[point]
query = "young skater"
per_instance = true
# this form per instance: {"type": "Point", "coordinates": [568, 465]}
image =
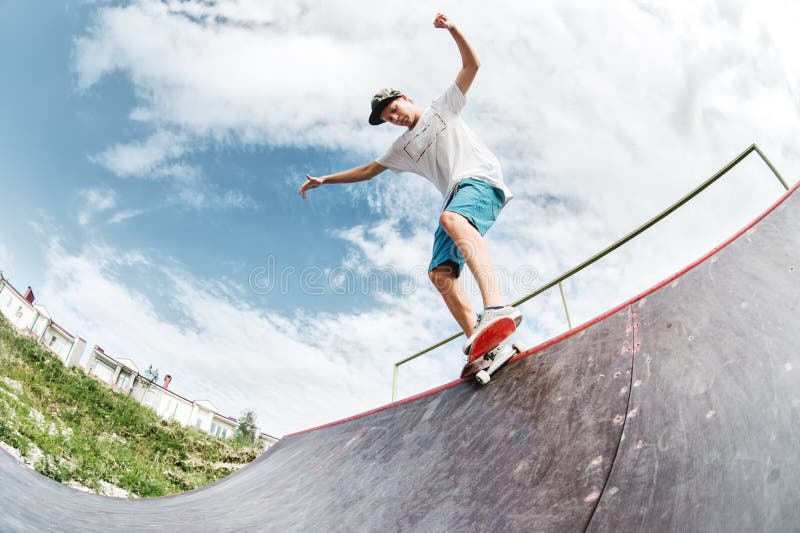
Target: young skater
{"type": "Point", "coordinates": [439, 146]}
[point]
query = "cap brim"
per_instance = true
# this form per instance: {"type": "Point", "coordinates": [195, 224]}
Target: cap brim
{"type": "Point", "coordinates": [375, 117]}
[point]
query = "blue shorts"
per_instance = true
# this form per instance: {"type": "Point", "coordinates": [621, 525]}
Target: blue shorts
{"type": "Point", "coordinates": [477, 201]}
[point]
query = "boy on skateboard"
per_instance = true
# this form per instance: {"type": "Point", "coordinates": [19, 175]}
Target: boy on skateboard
{"type": "Point", "coordinates": [439, 146]}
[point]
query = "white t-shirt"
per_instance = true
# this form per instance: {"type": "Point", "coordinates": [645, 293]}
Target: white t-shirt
{"type": "Point", "coordinates": [443, 149]}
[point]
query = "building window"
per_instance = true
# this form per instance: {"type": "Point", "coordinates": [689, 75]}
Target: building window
{"type": "Point", "coordinates": [122, 380]}
{"type": "Point", "coordinates": [103, 372]}
{"type": "Point", "coordinates": [199, 424]}
{"type": "Point", "coordinates": [218, 430]}
{"type": "Point", "coordinates": [52, 341]}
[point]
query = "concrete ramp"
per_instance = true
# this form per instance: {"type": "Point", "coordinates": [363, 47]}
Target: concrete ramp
{"type": "Point", "coordinates": [677, 411]}
{"type": "Point", "coordinates": [712, 437]}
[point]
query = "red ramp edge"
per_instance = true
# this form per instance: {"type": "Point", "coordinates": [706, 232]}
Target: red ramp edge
{"type": "Point", "coordinates": [571, 332]}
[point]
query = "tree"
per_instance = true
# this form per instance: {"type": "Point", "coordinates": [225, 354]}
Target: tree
{"type": "Point", "coordinates": [246, 433]}
{"type": "Point", "coordinates": [151, 373]}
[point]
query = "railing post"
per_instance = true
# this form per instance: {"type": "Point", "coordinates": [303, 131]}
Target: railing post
{"type": "Point", "coordinates": [394, 383]}
{"type": "Point", "coordinates": [564, 300]}
{"type": "Point", "coordinates": [771, 167]}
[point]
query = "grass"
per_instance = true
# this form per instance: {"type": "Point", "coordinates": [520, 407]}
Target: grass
{"type": "Point", "coordinates": [74, 429]}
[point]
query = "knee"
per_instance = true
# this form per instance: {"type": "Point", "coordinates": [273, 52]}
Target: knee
{"type": "Point", "coordinates": [441, 276]}
{"type": "Point", "coordinates": [449, 220]}
{"type": "Point", "coordinates": [436, 275]}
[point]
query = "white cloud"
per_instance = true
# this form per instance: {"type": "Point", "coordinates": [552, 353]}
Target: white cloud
{"type": "Point", "coordinates": [202, 197]}
{"type": "Point", "coordinates": [124, 215]}
{"type": "Point", "coordinates": [102, 200]}
{"type": "Point", "coordinates": [385, 247]}
{"type": "Point", "coordinates": [99, 199]}
{"type": "Point", "coordinates": [96, 200]}
{"type": "Point", "coordinates": [158, 158]}
{"type": "Point", "coordinates": [295, 81]}
{"type": "Point", "coordinates": [142, 158]}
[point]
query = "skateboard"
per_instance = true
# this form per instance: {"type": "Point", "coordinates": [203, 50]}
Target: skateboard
{"type": "Point", "coordinates": [478, 364]}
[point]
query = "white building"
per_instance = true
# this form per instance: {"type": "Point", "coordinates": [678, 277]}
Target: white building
{"type": "Point", "coordinates": [123, 375]}
{"type": "Point", "coordinates": [33, 319]}
{"type": "Point", "coordinates": [116, 373]}
{"type": "Point", "coordinates": [208, 419]}
{"type": "Point", "coordinates": [267, 440]}
{"type": "Point", "coordinates": [166, 403]}
{"type": "Point", "coordinates": [201, 414]}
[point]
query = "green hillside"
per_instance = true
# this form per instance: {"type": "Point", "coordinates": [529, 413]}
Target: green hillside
{"type": "Point", "coordinates": [71, 428]}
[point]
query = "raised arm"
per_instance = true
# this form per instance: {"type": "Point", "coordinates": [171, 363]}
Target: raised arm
{"type": "Point", "coordinates": [353, 175]}
{"type": "Point", "coordinates": [469, 60]}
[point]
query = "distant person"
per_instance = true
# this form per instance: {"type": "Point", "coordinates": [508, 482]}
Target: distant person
{"type": "Point", "coordinates": [439, 146]}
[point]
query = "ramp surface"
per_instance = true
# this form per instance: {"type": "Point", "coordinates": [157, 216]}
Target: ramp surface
{"type": "Point", "coordinates": [679, 410]}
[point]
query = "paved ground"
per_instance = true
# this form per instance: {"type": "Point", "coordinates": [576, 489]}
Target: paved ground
{"type": "Point", "coordinates": [678, 411]}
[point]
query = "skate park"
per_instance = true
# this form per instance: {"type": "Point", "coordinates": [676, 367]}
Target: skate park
{"type": "Point", "coordinates": [677, 410]}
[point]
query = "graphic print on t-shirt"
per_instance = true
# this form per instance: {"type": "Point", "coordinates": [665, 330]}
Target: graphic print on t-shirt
{"type": "Point", "coordinates": [416, 147]}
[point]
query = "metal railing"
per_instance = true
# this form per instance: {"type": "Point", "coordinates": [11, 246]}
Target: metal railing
{"type": "Point", "coordinates": [599, 255]}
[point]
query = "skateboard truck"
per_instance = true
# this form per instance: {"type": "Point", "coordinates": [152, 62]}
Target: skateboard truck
{"type": "Point", "coordinates": [483, 376]}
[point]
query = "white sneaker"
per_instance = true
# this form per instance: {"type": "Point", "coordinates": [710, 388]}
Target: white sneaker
{"type": "Point", "coordinates": [489, 316]}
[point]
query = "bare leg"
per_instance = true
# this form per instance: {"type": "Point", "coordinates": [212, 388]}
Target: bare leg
{"type": "Point", "coordinates": [473, 247]}
{"type": "Point", "coordinates": [444, 279]}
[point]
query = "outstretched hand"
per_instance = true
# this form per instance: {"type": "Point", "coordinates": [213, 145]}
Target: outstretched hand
{"type": "Point", "coordinates": [441, 21]}
{"type": "Point", "coordinates": [311, 183]}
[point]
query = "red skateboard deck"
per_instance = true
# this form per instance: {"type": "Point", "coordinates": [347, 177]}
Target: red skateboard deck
{"type": "Point", "coordinates": [489, 339]}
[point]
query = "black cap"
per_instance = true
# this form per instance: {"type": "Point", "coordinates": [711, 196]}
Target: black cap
{"type": "Point", "coordinates": [379, 102]}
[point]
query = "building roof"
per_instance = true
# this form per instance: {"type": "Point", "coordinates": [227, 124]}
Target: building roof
{"type": "Point", "coordinates": [42, 310]}
{"type": "Point", "coordinates": [127, 363]}
{"type": "Point", "coordinates": [206, 405]}
{"type": "Point", "coordinates": [62, 329]}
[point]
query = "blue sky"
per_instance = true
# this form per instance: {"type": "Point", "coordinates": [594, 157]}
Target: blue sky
{"type": "Point", "coordinates": [151, 155]}
{"type": "Point", "coordinates": [74, 126]}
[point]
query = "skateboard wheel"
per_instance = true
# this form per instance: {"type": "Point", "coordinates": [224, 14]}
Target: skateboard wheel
{"type": "Point", "coordinates": [518, 347]}
{"type": "Point", "coordinates": [483, 377]}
